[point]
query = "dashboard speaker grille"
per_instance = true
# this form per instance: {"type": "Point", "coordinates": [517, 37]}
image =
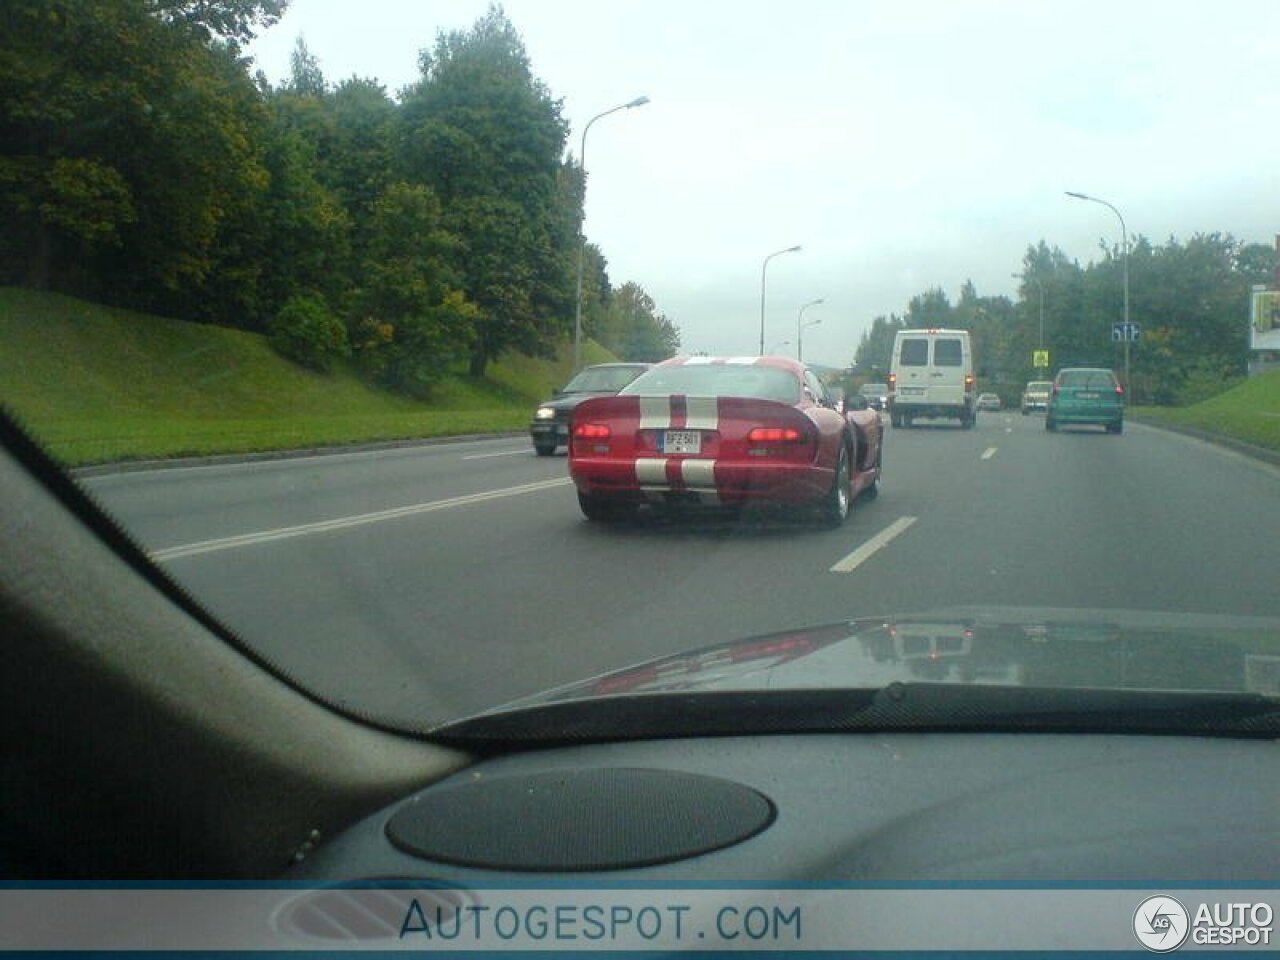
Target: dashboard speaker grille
{"type": "Point", "coordinates": [589, 820]}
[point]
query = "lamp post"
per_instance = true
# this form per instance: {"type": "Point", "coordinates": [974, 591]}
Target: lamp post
{"type": "Point", "coordinates": [779, 345]}
{"type": "Point", "coordinates": [582, 216]}
{"type": "Point", "coordinates": [1124, 234]}
{"type": "Point", "coordinates": [800, 327]}
{"type": "Point", "coordinates": [764, 268]}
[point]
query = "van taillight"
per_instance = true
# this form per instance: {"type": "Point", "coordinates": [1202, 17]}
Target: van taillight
{"type": "Point", "coordinates": [968, 380]}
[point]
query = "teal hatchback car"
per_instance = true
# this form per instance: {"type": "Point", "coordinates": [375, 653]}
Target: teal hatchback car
{"type": "Point", "coordinates": [1086, 395]}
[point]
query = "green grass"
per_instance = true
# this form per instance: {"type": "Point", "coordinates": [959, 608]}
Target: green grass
{"type": "Point", "coordinates": [1249, 411]}
{"type": "Point", "coordinates": [99, 384]}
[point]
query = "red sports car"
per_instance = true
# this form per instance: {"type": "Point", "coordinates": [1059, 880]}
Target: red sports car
{"type": "Point", "coordinates": [724, 431]}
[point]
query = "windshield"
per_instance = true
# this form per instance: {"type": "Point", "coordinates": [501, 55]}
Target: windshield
{"type": "Point", "coordinates": [602, 379]}
{"type": "Point", "coordinates": [287, 287]}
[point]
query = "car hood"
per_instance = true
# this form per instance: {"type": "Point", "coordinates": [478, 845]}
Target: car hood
{"type": "Point", "coordinates": [969, 646]}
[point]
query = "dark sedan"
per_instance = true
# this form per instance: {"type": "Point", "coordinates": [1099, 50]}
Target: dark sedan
{"type": "Point", "coordinates": [550, 426]}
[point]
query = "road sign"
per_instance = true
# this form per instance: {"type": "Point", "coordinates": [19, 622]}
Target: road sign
{"type": "Point", "coordinates": [1039, 358]}
{"type": "Point", "coordinates": [1125, 332]}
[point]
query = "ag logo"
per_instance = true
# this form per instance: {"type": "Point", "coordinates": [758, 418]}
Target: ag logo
{"type": "Point", "coordinates": [1161, 924]}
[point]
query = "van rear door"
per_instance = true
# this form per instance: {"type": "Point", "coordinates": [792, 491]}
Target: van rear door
{"type": "Point", "coordinates": [946, 374]}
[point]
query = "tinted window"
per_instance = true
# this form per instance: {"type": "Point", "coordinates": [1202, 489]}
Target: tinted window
{"type": "Point", "coordinates": [915, 353]}
{"type": "Point", "coordinates": [602, 379]}
{"type": "Point", "coordinates": [718, 380]}
{"type": "Point", "coordinates": [947, 352]}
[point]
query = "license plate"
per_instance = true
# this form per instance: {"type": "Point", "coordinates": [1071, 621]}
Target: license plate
{"type": "Point", "coordinates": [1086, 396]}
{"type": "Point", "coordinates": [912, 391]}
{"type": "Point", "coordinates": [681, 441]}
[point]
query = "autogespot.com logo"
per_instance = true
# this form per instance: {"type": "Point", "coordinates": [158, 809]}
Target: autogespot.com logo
{"type": "Point", "coordinates": [1161, 923]}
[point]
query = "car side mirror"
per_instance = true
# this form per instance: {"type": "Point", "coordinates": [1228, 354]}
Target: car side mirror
{"type": "Point", "coordinates": [557, 393]}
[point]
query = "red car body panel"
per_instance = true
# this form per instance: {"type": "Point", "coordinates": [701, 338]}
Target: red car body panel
{"type": "Point", "coordinates": [792, 461]}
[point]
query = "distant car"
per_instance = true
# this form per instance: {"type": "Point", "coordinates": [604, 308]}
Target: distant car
{"type": "Point", "coordinates": [988, 401]}
{"type": "Point", "coordinates": [1036, 396]}
{"type": "Point", "coordinates": [1086, 395]}
{"type": "Point", "coordinates": [550, 426]}
{"type": "Point", "coordinates": [724, 432]}
{"type": "Point", "coordinates": [877, 395]}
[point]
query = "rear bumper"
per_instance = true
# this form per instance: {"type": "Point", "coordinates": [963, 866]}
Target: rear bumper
{"type": "Point", "coordinates": [549, 431]}
{"type": "Point", "coordinates": [1087, 415]}
{"type": "Point", "coordinates": [708, 482]}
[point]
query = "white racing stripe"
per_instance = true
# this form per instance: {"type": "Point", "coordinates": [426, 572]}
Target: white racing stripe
{"type": "Point", "coordinates": [651, 471]}
{"type": "Point", "coordinates": [655, 413]}
{"type": "Point", "coordinates": [344, 523]}
{"type": "Point", "coordinates": [698, 474]}
{"type": "Point", "coordinates": [702, 413]}
{"type": "Point", "coordinates": [873, 546]}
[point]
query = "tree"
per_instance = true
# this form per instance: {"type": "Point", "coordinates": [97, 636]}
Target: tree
{"type": "Point", "coordinates": [634, 329]}
{"type": "Point", "coordinates": [413, 322]}
{"type": "Point", "coordinates": [876, 346]}
{"type": "Point", "coordinates": [487, 138]}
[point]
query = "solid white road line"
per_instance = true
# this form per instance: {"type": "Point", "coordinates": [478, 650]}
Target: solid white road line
{"type": "Point", "coordinates": [503, 453]}
{"type": "Point", "coordinates": [988, 453]}
{"type": "Point", "coordinates": [874, 545]}
{"type": "Point", "coordinates": [343, 523]}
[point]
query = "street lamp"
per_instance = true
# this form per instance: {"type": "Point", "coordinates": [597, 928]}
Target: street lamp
{"type": "Point", "coordinates": [779, 345]}
{"type": "Point", "coordinates": [1039, 283]}
{"type": "Point", "coordinates": [582, 216]}
{"type": "Point", "coordinates": [1124, 234]}
{"type": "Point", "coordinates": [800, 327]}
{"type": "Point", "coordinates": [763, 270]}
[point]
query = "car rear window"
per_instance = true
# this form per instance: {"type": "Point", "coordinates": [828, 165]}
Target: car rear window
{"type": "Point", "coordinates": [602, 379]}
{"type": "Point", "coordinates": [718, 380]}
{"type": "Point", "coordinates": [914, 353]}
{"type": "Point", "coordinates": [1087, 379]}
{"type": "Point", "coordinates": [947, 352]}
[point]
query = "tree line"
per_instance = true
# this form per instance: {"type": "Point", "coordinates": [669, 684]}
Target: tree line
{"type": "Point", "coordinates": [142, 165]}
{"type": "Point", "coordinates": [1190, 299]}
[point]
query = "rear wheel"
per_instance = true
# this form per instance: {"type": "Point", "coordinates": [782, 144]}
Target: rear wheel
{"type": "Point", "coordinates": [1117, 427]}
{"type": "Point", "coordinates": [968, 419]}
{"type": "Point", "coordinates": [602, 510]}
{"type": "Point", "coordinates": [835, 505]}
{"type": "Point", "coordinates": [1051, 424]}
{"type": "Point", "coordinates": [544, 449]}
{"type": "Point", "coordinates": [895, 419]}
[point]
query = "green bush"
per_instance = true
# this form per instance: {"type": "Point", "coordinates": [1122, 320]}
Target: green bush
{"type": "Point", "coordinates": [305, 332]}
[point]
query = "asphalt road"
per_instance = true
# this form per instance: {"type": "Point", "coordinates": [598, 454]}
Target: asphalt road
{"type": "Point", "coordinates": [423, 583]}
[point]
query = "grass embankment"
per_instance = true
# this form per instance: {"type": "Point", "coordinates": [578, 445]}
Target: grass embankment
{"type": "Point", "coordinates": [1249, 411]}
{"type": "Point", "coordinates": [97, 384]}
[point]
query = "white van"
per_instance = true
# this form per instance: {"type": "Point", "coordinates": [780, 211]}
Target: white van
{"type": "Point", "coordinates": [931, 375]}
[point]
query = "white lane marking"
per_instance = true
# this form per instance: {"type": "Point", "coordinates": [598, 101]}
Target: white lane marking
{"type": "Point", "coordinates": [698, 474]}
{"type": "Point", "coordinates": [651, 470]}
{"type": "Point", "coordinates": [872, 546]}
{"type": "Point", "coordinates": [655, 413]}
{"type": "Point", "coordinates": [988, 453]}
{"type": "Point", "coordinates": [343, 523]}
{"type": "Point", "coordinates": [702, 413]}
{"type": "Point", "coordinates": [486, 456]}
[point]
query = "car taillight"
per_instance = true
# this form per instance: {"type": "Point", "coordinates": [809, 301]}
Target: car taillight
{"type": "Point", "coordinates": [1119, 390]}
{"type": "Point", "coordinates": [1054, 390]}
{"type": "Point", "coordinates": [591, 431]}
{"type": "Point", "coordinates": [774, 435]}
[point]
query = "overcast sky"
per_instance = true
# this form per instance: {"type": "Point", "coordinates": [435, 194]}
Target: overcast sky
{"type": "Point", "coordinates": [903, 144]}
